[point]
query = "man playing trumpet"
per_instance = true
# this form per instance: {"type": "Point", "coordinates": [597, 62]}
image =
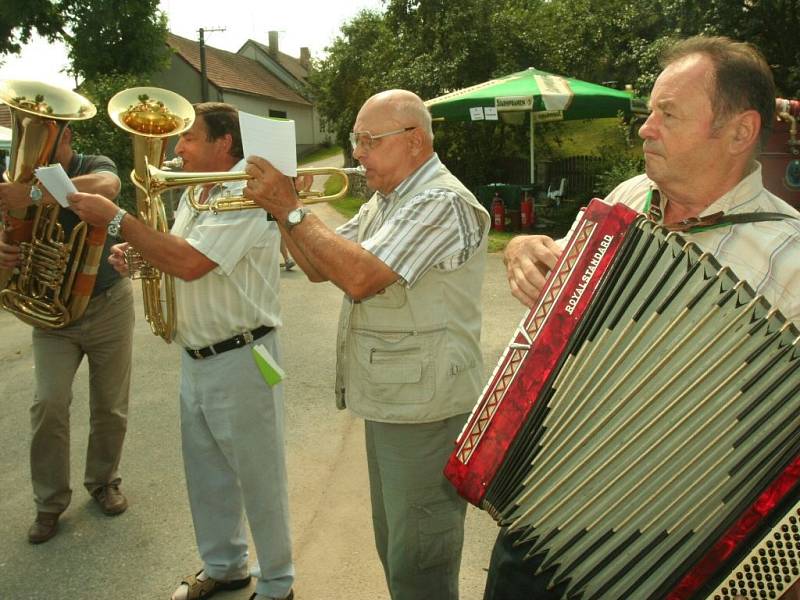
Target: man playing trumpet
{"type": "Point", "coordinates": [411, 265]}
{"type": "Point", "coordinates": [227, 276]}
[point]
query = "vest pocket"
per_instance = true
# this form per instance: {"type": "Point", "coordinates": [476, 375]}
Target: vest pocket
{"type": "Point", "coordinates": [396, 367]}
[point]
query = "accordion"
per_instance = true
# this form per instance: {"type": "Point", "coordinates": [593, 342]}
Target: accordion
{"type": "Point", "coordinates": [641, 432]}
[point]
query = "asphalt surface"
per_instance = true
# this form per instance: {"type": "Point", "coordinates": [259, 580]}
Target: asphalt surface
{"type": "Point", "coordinates": [144, 553]}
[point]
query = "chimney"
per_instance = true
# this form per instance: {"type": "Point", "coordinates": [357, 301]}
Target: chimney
{"type": "Point", "coordinates": [273, 43]}
{"type": "Point", "coordinates": [305, 58]}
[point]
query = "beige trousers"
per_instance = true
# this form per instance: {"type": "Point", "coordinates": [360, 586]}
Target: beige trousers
{"type": "Point", "coordinates": [104, 334]}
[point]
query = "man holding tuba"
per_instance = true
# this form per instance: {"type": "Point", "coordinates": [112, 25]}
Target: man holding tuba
{"type": "Point", "coordinates": [227, 277]}
{"type": "Point", "coordinates": [104, 333]}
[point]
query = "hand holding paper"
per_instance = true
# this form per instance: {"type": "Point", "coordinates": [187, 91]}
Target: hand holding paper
{"type": "Point", "coordinates": [271, 139]}
{"type": "Point", "coordinates": [55, 179]}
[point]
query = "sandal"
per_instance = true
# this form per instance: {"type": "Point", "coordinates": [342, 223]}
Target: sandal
{"type": "Point", "coordinates": [198, 589]}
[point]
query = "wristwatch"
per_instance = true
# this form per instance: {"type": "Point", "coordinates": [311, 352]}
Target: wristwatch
{"type": "Point", "coordinates": [295, 217]}
{"type": "Point", "coordinates": [116, 223]}
{"type": "Point", "coordinates": [35, 195]}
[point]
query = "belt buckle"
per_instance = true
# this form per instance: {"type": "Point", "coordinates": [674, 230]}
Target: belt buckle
{"type": "Point", "coordinates": [248, 337]}
{"type": "Point", "coordinates": [196, 354]}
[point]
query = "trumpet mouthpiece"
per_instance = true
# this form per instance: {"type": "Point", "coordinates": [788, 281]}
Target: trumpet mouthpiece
{"type": "Point", "coordinates": [174, 163]}
{"type": "Point", "coordinates": [359, 170]}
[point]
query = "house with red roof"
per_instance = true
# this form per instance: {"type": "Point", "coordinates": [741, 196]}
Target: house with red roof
{"type": "Point", "coordinates": [258, 79]}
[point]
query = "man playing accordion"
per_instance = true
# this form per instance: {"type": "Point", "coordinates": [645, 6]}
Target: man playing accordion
{"type": "Point", "coordinates": [712, 109]}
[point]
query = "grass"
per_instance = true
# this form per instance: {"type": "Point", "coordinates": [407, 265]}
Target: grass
{"type": "Point", "coordinates": [320, 154]}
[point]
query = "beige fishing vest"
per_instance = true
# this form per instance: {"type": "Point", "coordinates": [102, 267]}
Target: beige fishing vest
{"type": "Point", "coordinates": [413, 355]}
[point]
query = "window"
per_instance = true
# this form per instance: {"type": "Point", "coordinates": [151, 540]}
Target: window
{"type": "Point", "coordinates": [277, 114]}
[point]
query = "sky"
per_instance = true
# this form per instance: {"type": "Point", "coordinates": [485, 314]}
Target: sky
{"type": "Point", "coordinates": [310, 23]}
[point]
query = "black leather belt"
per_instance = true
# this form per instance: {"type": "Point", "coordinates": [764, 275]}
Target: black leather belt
{"type": "Point", "coordinates": [236, 341]}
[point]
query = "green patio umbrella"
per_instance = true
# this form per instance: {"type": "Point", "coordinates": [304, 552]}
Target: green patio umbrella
{"type": "Point", "coordinates": [544, 96]}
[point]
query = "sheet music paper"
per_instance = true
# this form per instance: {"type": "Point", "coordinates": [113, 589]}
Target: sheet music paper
{"type": "Point", "coordinates": [55, 179]}
{"type": "Point", "coordinates": [272, 139]}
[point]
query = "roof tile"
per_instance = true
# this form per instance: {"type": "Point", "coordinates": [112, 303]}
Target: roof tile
{"type": "Point", "coordinates": [234, 72]}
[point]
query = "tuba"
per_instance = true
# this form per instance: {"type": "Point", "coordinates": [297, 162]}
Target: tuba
{"type": "Point", "coordinates": [54, 282]}
{"type": "Point", "coordinates": [151, 115]}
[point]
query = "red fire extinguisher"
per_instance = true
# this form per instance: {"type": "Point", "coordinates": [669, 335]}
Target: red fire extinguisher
{"type": "Point", "coordinates": [498, 213]}
{"type": "Point", "coordinates": [527, 215]}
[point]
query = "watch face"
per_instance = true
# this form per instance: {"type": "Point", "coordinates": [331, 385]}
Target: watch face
{"type": "Point", "coordinates": [295, 216]}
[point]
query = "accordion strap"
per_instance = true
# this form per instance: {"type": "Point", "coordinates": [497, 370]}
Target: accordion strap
{"type": "Point", "coordinates": [720, 219]}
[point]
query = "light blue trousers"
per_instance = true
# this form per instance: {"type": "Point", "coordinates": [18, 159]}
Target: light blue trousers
{"type": "Point", "coordinates": [234, 456]}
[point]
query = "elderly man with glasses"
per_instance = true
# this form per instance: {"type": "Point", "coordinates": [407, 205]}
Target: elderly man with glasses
{"type": "Point", "coordinates": [411, 266]}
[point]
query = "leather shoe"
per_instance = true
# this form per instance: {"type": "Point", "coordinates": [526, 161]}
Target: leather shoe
{"type": "Point", "coordinates": [290, 596]}
{"type": "Point", "coordinates": [110, 499]}
{"type": "Point", "coordinates": [44, 527]}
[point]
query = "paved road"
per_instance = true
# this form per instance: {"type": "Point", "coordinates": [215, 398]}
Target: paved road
{"type": "Point", "coordinates": [143, 553]}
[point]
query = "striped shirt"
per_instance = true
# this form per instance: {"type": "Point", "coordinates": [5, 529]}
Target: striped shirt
{"type": "Point", "coordinates": [433, 229]}
{"type": "Point", "coordinates": [241, 292]}
{"type": "Point", "coordinates": [765, 254]}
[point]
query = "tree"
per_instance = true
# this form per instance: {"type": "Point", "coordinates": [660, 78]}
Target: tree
{"type": "Point", "coordinates": [352, 72]}
{"type": "Point", "coordinates": [19, 19]}
{"type": "Point", "coordinates": [111, 45]}
{"type": "Point", "coordinates": [126, 36]}
{"type": "Point", "coordinates": [433, 46]}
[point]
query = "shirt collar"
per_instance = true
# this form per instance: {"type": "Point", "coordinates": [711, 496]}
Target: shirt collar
{"type": "Point", "coordinates": [425, 172]}
{"type": "Point", "coordinates": [744, 191]}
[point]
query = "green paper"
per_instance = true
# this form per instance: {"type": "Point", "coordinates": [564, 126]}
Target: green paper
{"type": "Point", "coordinates": [270, 370]}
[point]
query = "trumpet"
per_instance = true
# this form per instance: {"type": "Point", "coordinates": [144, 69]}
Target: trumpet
{"type": "Point", "coordinates": [157, 181]}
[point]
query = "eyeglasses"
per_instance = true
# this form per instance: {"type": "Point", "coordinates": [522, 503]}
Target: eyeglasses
{"type": "Point", "coordinates": [367, 141]}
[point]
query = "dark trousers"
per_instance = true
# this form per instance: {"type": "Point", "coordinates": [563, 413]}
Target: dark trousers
{"type": "Point", "coordinates": [512, 576]}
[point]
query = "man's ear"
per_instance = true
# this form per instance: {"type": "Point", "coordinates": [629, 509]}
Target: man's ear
{"type": "Point", "coordinates": [415, 140]}
{"type": "Point", "coordinates": [746, 127]}
{"type": "Point", "coordinates": [226, 143]}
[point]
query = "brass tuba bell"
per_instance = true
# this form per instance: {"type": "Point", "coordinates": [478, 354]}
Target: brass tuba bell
{"type": "Point", "coordinates": [151, 115]}
{"type": "Point", "coordinates": [54, 281]}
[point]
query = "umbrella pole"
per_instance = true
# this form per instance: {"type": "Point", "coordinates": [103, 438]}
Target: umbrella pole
{"type": "Point", "coordinates": [533, 163]}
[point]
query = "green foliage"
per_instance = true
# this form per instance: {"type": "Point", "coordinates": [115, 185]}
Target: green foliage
{"type": "Point", "coordinates": [19, 19]}
{"type": "Point", "coordinates": [432, 47]}
{"type": "Point", "coordinates": [111, 46]}
{"type": "Point", "coordinates": [102, 37]}
{"type": "Point", "coordinates": [100, 136]}
{"type": "Point", "coordinates": [622, 156]}
{"type": "Point", "coordinates": [352, 72]}
{"type": "Point", "coordinates": [125, 36]}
